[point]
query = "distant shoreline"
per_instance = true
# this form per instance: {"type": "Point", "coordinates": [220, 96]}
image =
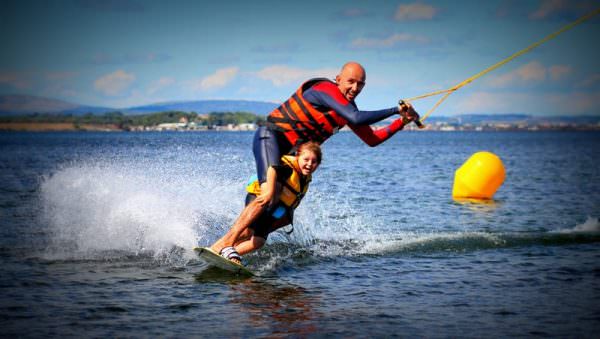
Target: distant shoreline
{"type": "Point", "coordinates": [56, 127]}
{"type": "Point", "coordinates": [76, 127]}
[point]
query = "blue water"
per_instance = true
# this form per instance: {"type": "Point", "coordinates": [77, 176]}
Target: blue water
{"type": "Point", "coordinates": [97, 230]}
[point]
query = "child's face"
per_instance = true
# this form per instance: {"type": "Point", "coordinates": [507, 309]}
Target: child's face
{"type": "Point", "coordinates": [307, 161]}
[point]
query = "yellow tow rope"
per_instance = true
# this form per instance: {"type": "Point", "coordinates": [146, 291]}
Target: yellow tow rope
{"type": "Point", "coordinates": [497, 65]}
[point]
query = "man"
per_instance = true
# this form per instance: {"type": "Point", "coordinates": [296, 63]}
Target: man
{"type": "Point", "coordinates": [317, 110]}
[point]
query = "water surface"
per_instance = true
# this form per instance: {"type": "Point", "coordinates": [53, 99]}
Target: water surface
{"type": "Point", "coordinates": [97, 231]}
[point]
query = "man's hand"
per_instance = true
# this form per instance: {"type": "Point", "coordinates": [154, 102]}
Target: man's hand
{"type": "Point", "coordinates": [408, 113]}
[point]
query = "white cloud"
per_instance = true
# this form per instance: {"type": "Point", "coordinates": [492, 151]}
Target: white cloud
{"type": "Point", "coordinates": [387, 42]}
{"type": "Point", "coordinates": [575, 102]}
{"type": "Point", "coordinates": [281, 75]}
{"type": "Point", "coordinates": [584, 102]}
{"type": "Point", "coordinates": [415, 11]}
{"type": "Point", "coordinates": [561, 9]}
{"type": "Point", "coordinates": [129, 58]}
{"type": "Point", "coordinates": [531, 103]}
{"type": "Point", "coordinates": [14, 80]}
{"type": "Point", "coordinates": [60, 76]}
{"type": "Point", "coordinates": [60, 84]}
{"type": "Point", "coordinates": [114, 84]}
{"type": "Point", "coordinates": [531, 72]}
{"type": "Point", "coordinates": [590, 81]}
{"type": "Point", "coordinates": [558, 72]}
{"type": "Point", "coordinates": [217, 80]}
{"type": "Point", "coordinates": [59, 90]}
{"type": "Point", "coordinates": [160, 84]}
{"type": "Point", "coordinates": [486, 102]}
{"type": "Point", "coordinates": [548, 8]}
{"type": "Point", "coordinates": [354, 13]}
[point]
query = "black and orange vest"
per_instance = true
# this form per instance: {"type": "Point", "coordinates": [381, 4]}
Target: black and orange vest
{"type": "Point", "coordinates": [301, 122]}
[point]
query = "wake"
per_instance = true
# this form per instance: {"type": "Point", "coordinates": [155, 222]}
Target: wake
{"type": "Point", "coordinates": [114, 209]}
{"type": "Point", "coordinates": [93, 208]}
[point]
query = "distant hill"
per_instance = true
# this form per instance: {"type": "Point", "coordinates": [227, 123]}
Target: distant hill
{"type": "Point", "coordinates": [207, 106]}
{"type": "Point", "coordinates": [22, 104]}
{"type": "Point", "coordinates": [28, 104]}
{"type": "Point", "coordinates": [479, 119]}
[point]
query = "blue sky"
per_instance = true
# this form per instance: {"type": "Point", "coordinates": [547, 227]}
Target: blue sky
{"type": "Point", "coordinates": [121, 53]}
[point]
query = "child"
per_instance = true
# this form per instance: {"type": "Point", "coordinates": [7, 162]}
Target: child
{"type": "Point", "coordinates": [285, 186]}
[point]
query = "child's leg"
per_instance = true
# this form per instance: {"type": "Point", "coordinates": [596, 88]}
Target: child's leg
{"type": "Point", "coordinates": [245, 236]}
{"type": "Point", "coordinates": [250, 245]}
{"type": "Point", "coordinates": [248, 215]}
{"type": "Point", "coordinates": [252, 241]}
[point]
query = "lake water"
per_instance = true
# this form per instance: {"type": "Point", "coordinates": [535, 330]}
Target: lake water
{"type": "Point", "coordinates": [97, 231]}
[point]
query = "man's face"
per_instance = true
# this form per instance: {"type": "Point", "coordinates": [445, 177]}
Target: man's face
{"type": "Point", "coordinates": [351, 81]}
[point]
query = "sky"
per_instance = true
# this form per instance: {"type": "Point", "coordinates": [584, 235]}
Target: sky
{"type": "Point", "coordinates": [124, 53]}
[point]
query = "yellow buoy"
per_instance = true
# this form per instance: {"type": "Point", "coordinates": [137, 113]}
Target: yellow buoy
{"type": "Point", "coordinates": [479, 177]}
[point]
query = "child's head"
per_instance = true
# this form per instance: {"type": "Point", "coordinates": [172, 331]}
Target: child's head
{"type": "Point", "coordinates": [309, 157]}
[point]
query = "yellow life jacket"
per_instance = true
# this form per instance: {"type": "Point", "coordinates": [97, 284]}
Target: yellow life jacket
{"type": "Point", "coordinates": [292, 191]}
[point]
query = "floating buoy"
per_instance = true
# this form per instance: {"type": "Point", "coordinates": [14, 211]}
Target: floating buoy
{"type": "Point", "coordinates": [479, 177]}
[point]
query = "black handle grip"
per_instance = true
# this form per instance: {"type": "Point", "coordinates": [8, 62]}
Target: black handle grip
{"type": "Point", "coordinates": [417, 122]}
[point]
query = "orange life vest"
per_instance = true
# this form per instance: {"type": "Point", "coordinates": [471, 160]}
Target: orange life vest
{"type": "Point", "coordinates": [301, 122]}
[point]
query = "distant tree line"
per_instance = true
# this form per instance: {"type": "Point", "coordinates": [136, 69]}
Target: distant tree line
{"type": "Point", "coordinates": [122, 121]}
{"type": "Point", "coordinates": [236, 118]}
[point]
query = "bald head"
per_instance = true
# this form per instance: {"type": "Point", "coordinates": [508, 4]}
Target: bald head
{"type": "Point", "coordinates": [353, 67]}
{"type": "Point", "coordinates": [351, 80]}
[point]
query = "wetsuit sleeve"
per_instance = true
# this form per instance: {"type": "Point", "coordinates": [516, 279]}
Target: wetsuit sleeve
{"type": "Point", "coordinates": [325, 96]}
{"type": "Point", "coordinates": [374, 137]}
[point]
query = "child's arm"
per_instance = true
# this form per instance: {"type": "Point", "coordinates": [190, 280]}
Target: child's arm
{"type": "Point", "coordinates": [267, 188]}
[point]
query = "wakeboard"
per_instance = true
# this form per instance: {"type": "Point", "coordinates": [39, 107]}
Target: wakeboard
{"type": "Point", "coordinates": [215, 260]}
